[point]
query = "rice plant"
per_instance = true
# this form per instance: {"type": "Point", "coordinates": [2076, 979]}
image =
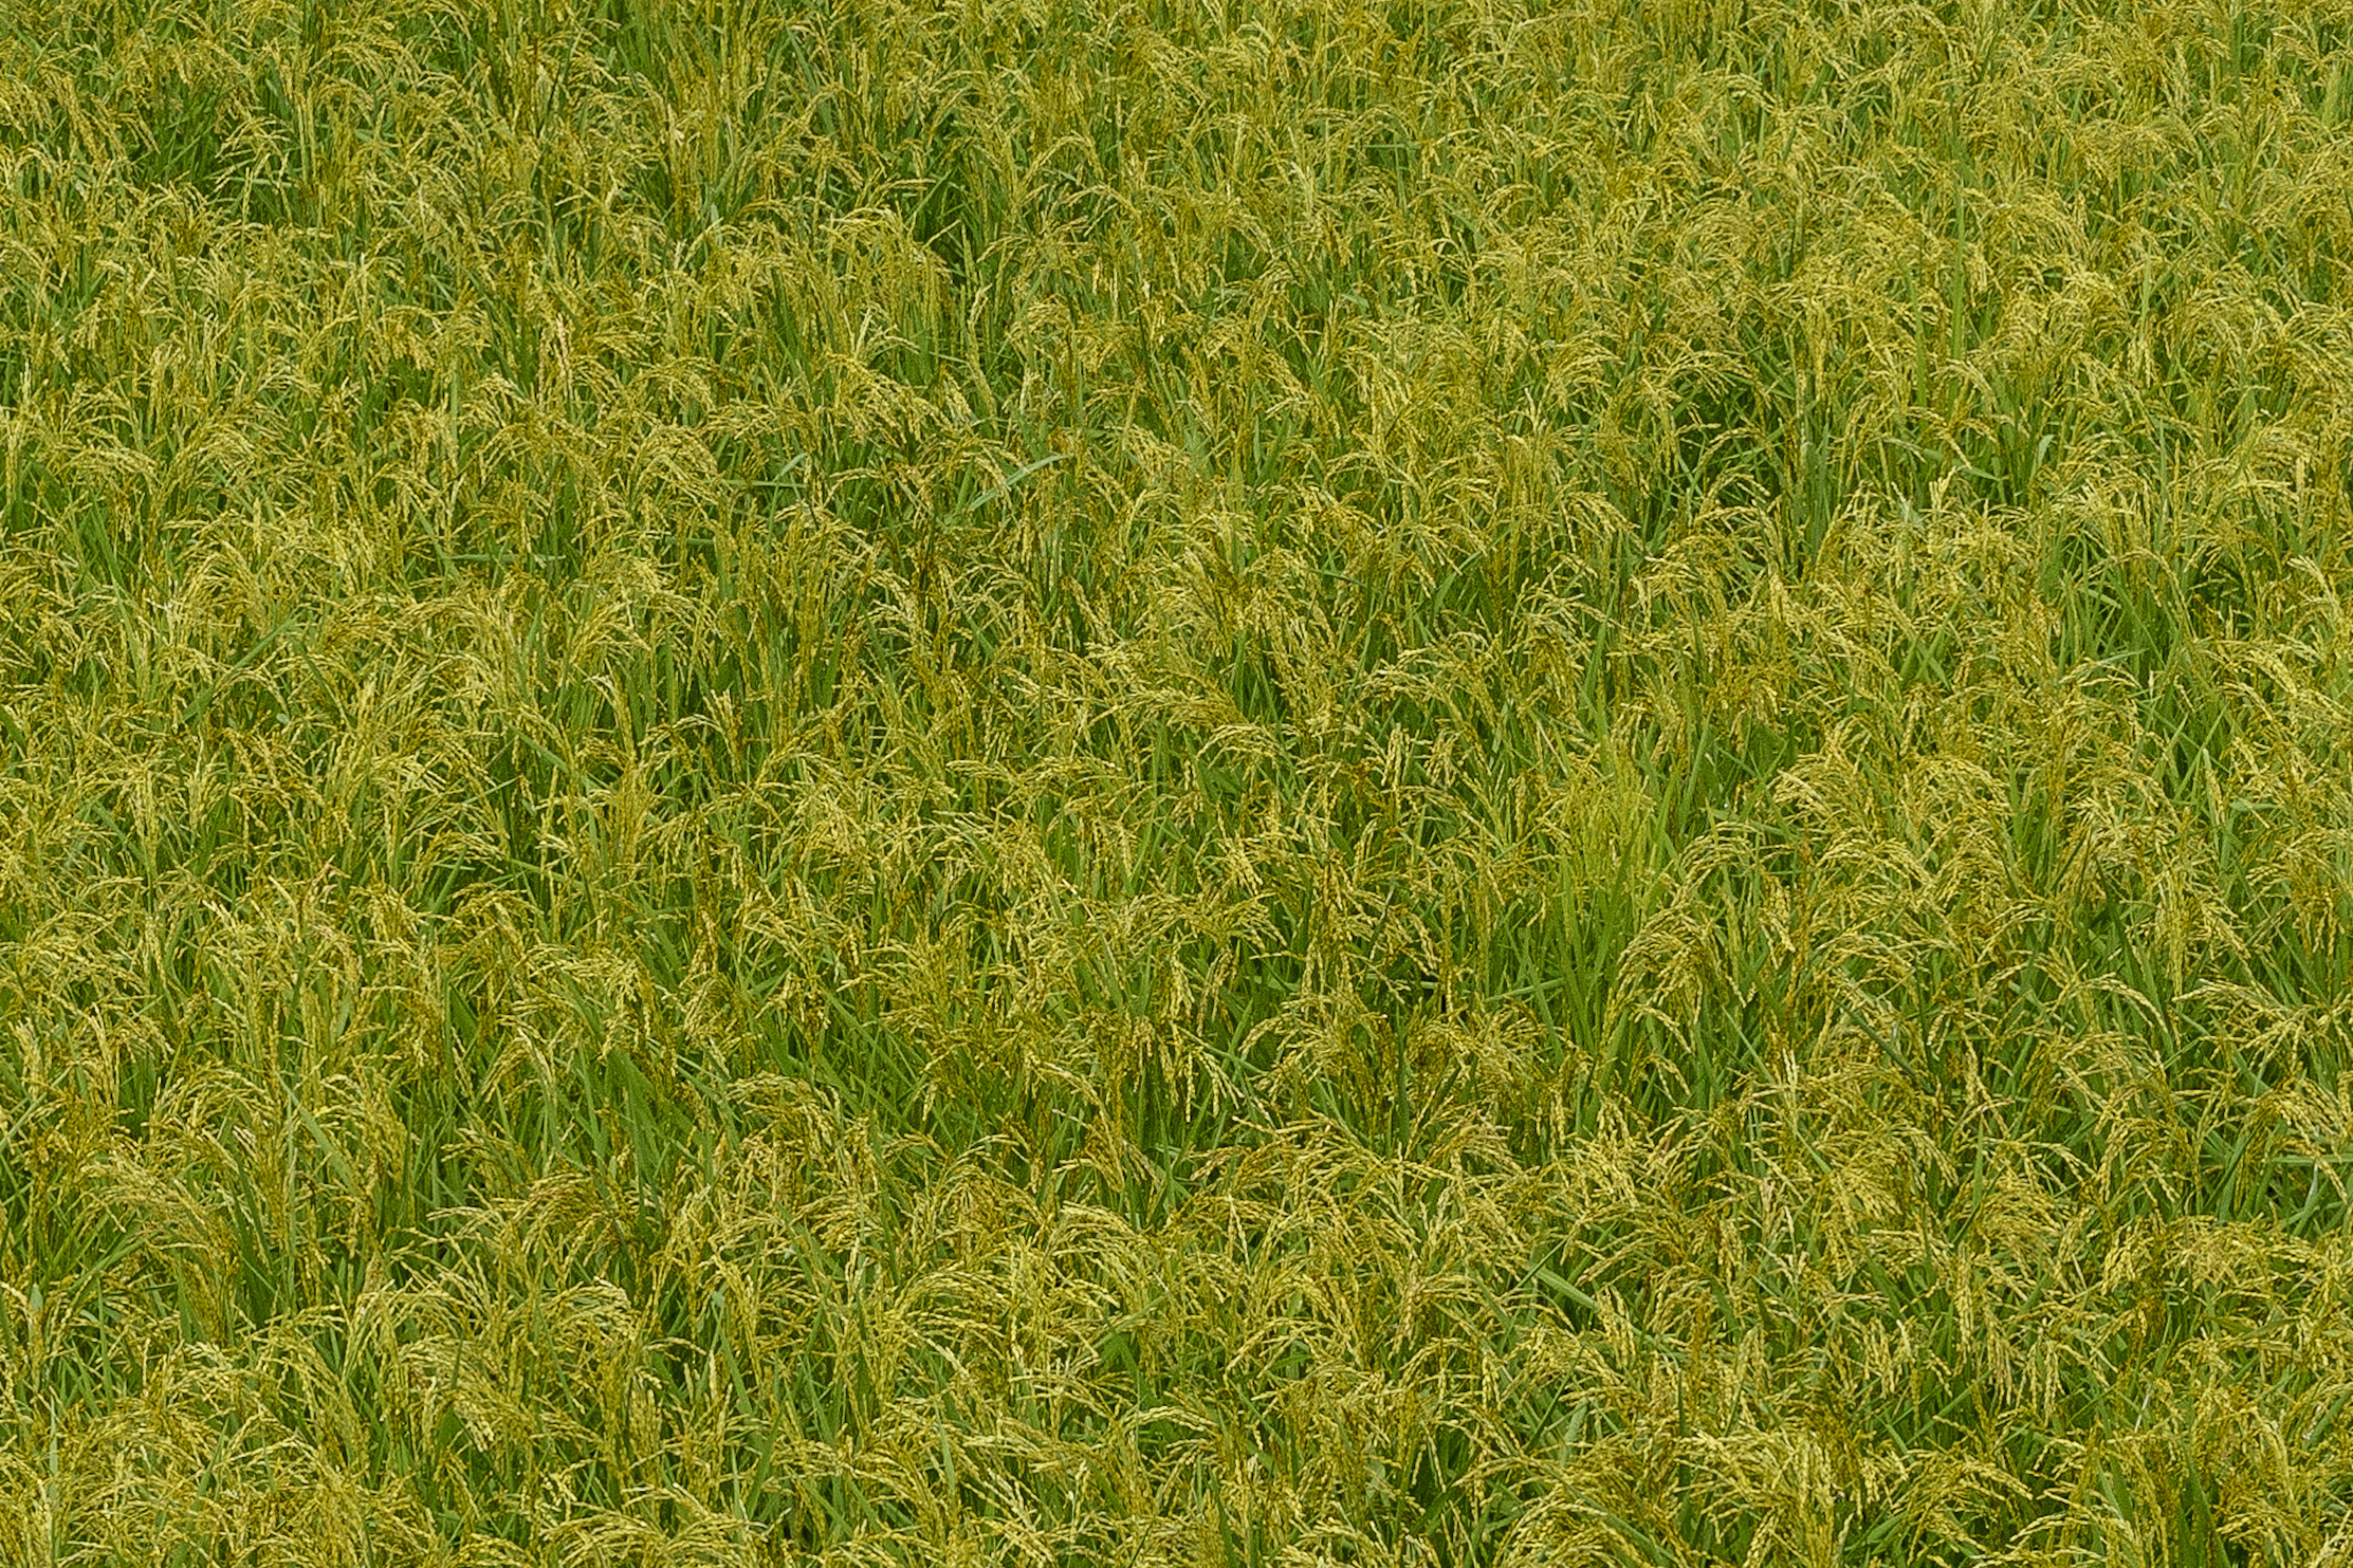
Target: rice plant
{"type": "Point", "coordinates": [1449, 782]}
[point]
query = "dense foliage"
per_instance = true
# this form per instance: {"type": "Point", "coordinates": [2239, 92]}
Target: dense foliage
{"type": "Point", "coordinates": [1128, 783]}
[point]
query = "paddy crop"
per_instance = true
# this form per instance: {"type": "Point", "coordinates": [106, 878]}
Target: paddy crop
{"type": "Point", "coordinates": [1145, 783]}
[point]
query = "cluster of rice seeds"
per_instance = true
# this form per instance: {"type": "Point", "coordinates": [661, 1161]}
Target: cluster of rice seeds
{"type": "Point", "coordinates": [1079, 782]}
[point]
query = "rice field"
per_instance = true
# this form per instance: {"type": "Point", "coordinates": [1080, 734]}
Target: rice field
{"type": "Point", "coordinates": [1169, 783]}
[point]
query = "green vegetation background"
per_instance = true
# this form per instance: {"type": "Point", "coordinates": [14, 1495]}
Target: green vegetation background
{"type": "Point", "coordinates": [1139, 784]}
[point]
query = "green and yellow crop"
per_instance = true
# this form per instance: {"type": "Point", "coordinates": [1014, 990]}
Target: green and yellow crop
{"type": "Point", "coordinates": [1151, 783]}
